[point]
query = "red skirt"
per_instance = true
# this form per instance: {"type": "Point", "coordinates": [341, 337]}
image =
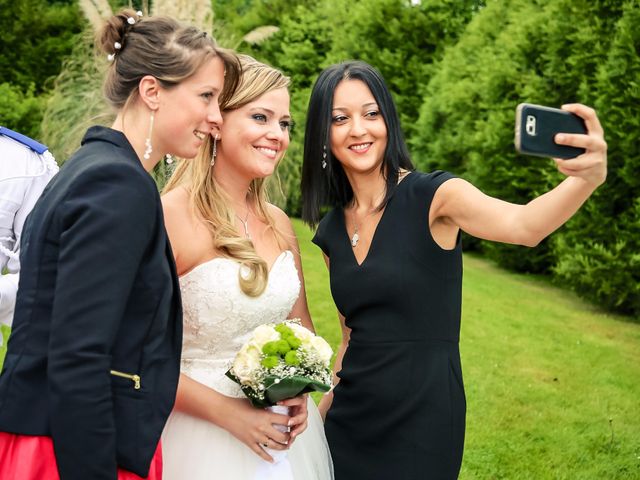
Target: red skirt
{"type": "Point", "coordinates": [26, 457]}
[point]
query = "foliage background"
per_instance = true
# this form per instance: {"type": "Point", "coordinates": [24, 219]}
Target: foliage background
{"type": "Point", "coordinates": [36, 37]}
{"type": "Point", "coordinates": [457, 69]}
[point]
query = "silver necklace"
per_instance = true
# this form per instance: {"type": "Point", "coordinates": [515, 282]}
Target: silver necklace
{"type": "Point", "coordinates": [245, 224]}
{"type": "Point", "coordinates": [355, 238]}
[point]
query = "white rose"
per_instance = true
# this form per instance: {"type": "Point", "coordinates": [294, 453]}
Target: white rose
{"type": "Point", "coordinates": [321, 346]}
{"type": "Point", "coordinates": [301, 332]}
{"type": "Point", "coordinates": [264, 334]}
{"type": "Point", "coordinates": [246, 363]}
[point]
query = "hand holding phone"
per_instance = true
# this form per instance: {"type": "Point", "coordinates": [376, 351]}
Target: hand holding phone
{"type": "Point", "coordinates": [537, 126]}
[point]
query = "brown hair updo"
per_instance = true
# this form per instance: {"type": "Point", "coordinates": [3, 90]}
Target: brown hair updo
{"type": "Point", "coordinates": [158, 46]}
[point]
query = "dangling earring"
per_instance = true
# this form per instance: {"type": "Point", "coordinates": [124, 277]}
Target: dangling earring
{"type": "Point", "coordinates": [168, 159]}
{"type": "Point", "coordinates": [215, 150]}
{"type": "Point", "coordinates": [147, 143]}
{"type": "Point", "coordinates": [324, 157]}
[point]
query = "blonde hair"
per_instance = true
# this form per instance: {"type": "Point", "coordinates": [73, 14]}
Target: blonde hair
{"type": "Point", "coordinates": [209, 201]}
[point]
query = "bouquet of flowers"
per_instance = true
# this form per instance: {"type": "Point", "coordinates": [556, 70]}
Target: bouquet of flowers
{"type": "Point", "coordinates": [282, 361]}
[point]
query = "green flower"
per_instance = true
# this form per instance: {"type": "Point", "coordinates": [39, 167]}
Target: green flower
{"type": "Point", "coordinates": [270, 348]}
{"type": "Point", "coordinates": [283, 330]}
{"type": "Point", "coordinates": [293, 341]}
{"type": "Point", "coordinates": [291, 358]}
{"type": "Point", "coordinates": [270, 362]}
{"type": "Point", "coordinates": [283, 347]}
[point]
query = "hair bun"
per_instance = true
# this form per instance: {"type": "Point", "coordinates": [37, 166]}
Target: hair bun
{"type": "Point", "coordinates": [111, 37]}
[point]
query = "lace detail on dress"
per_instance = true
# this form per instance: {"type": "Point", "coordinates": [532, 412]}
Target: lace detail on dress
{"type": "Point", "coordinates": [219, 317]}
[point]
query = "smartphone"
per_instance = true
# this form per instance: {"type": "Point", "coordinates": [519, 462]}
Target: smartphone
{"type": "Point", "coordinates": [536, 127]}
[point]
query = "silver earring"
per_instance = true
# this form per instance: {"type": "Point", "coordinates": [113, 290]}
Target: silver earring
{"type": "Point", "coordinates": [324, 157]}
{"type": "Point", "coordinates": [168, 159]}
{"type": "Point", "coordinates": [147, 143]}
{"type": "Point", "coordinates": [215, 150]}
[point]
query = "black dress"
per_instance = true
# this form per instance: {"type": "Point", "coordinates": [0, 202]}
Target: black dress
{"type": "Point", "coordinates": [399, 410]}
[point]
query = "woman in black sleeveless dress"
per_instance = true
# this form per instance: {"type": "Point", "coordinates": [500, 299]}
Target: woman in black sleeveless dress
{"type": "Point", "coordinates": [392, 244]}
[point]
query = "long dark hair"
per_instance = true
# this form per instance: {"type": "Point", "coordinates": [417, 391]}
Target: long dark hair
{"type": "Point", "coordinates": [329, 187]}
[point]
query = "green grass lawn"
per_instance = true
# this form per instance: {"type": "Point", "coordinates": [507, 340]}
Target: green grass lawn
{"type": "Point", "coordinates": [552, 383]}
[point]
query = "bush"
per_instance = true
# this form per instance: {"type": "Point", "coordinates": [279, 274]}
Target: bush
{"type": "Point", "coordinates": [401, 40]}
{"type": "Point", "coordinates": [21, 111]}
{"type": "Point", "coordinates": [599, 251]}
{"type": "Point", "coordinates": [36, 36]}
{"type": "Point", "coordinates": [549, 52]}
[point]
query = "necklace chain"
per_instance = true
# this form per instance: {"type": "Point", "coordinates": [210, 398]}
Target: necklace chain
{"type": "Point", "coordinates": [245, 224]}
{"type": "Point", "coordinates": [355, 238]}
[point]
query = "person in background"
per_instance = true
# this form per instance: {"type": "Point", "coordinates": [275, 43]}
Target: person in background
{"type": "Point", "coordinates": [93, 360]}
{"type": "Point", "coordinates": [26, 167]}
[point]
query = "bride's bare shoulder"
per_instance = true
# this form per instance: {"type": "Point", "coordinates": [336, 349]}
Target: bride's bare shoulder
{"type": "Point", "coordinates": [189, 238]}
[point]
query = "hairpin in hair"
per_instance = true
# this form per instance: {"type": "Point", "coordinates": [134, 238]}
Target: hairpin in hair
{"type": "Point", "coordinates": [112, 56]}
{"type": "Point", "coordinates": [117, 45]}
{"type": "Point", "coordinates": [131, 20]}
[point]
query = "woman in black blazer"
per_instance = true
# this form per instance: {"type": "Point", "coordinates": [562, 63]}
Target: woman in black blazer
{"type": "Point", "coordinates": [93, 361]}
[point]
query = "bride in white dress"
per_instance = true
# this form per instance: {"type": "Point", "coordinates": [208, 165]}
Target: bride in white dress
{"type": "Point", "coordinates": [239, 263]}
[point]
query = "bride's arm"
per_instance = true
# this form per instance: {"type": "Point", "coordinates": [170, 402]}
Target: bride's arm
{"type": "Point", "coordinates": [300, 308]}
{"type": "Point", "coordinates": [252, 426]}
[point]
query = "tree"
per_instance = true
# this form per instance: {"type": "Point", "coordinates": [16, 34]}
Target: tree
{"type": "Point", "coordinates": [549, 52]}
{"type": "Point", "coordinates": [401, 40]}
{"type": "Point", "coordinates": [36, 36]}
{"type": "Point", "coordinates": [599, 251]}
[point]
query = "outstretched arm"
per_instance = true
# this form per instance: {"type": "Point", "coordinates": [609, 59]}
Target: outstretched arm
{"type": "Point", "coordinates": [458, 204]}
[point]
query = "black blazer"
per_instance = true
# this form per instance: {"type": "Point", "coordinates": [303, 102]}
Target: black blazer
{"type": "Point", "coordinates": [98, 293]}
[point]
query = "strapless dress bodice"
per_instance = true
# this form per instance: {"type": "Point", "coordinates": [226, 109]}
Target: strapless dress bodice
{"type": "Point", "coordinates": [219, 318]}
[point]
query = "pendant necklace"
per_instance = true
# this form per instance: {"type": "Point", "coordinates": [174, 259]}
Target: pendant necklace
{"type": "Point", "coordinates": [355, 238]}
{"type": "Point", "coordinates": [245, 224]}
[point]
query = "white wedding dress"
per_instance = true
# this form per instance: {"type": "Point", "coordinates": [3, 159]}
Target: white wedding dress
{"type": "Point", "coordinates": [218, 319]}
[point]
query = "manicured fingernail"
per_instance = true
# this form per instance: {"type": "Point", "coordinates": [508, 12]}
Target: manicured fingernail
{"type": "Point", "coordinates": [560, 137]}
{"type": "Point", "coordinates": [289, 423]}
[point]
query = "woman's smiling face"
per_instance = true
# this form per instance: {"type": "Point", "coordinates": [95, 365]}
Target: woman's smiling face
{"type": "Point", "coordinates": [255, 137]}
{"type": "Point", "coordinates": [358, 131]}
